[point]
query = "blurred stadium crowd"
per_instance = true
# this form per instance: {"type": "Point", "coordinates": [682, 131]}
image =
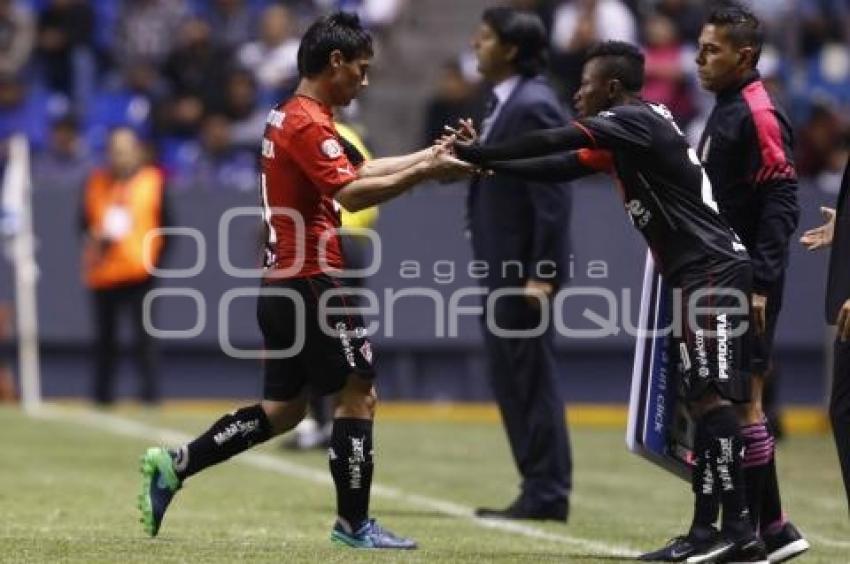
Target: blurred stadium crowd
{"type": "Point", "coordinates": [197, 77]}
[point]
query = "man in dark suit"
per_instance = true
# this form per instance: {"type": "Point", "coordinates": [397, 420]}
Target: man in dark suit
{"type": "Point", "coordinates": [836, 232]}
{"type": "Point", "coordinates": [519, 230]}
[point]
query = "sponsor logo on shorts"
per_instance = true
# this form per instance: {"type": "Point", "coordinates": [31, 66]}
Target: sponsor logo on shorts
{"type": "Point", "coordinates": [722, 347]}
{"type": "Point", "coordinates": [366, 351]}
{"type": "Point", "coordinates": [345, 341]}
{"type": "Point", "coordinates": [684, 357]}
{"type": "Point", "coordinates": [702, 355]}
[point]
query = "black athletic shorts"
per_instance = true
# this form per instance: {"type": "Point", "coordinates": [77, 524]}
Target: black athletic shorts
{"type": "Point", "coordinates": [711, 356]}
{"type": "Point", "coordinates": [322, 363]}
{"type": "Point", "coordinates": [762, 345]}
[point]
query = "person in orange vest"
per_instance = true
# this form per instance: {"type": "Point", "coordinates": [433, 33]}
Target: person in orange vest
{"type": "Point", "coordinates": [122, 203]}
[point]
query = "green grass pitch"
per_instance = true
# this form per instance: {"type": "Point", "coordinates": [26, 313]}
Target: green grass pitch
{"type": "Point", "coordinates": [68, 483]}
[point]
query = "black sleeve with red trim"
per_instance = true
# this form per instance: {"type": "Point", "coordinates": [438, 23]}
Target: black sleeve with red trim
{"type": "Point", "coordinates": [774, 178]}
{"type": "Point", "coordinates": [556, 168]}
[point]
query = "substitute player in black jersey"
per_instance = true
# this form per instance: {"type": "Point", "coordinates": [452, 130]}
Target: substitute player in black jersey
{"type": "Point", "coordinates": [669, 199]}
{"type": "Point", "coordinates": [746, 150]}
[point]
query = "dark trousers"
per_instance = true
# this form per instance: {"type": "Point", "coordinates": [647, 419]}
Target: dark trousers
{"type": "Point", "coordinates": [839, 409]}
{"type": "Point", "coordinates": [524, 381]}
{"type": "Point", "coordinates": [109, 306]}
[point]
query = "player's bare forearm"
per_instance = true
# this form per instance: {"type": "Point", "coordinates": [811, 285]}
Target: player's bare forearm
{"type": "Point", "coordinates": [392, 165]}
{"type": "Point", "coordinates": [370, 191]}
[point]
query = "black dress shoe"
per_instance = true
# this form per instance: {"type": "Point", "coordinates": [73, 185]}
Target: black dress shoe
{"type": "Point", "coordinates": [558, 511]}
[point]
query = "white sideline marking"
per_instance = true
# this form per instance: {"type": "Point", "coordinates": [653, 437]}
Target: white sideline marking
{"type": "Point", "coordinates": [131, 428]}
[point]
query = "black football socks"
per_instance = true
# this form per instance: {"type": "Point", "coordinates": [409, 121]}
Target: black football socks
{"type": "Point", "coordinates": [351, 464]}
{"type": "Point", "coordinates": [727, 454]}
{"type": "Point", "coordinates": [703, 482]}
{"type": "Point", "coordinates": [235, 432]}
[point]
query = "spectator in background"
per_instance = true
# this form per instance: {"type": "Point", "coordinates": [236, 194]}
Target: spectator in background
{"type": "Point", "coordinates": [17, 37]}
{"type": "Point", "coordinates": [131, 101]}
{"type": "Point", "coordinates": [822, 150]}
{"type": "Point", "coordinates": [232, 21]}
{"type": "Point", "coordinates": [273, 58]}
{"type": "Point", "coordinates": [545, 10]}
{"type": "Point", "coordinates": [23, 109]}
{"type": "Point", "coordinates": [667, 60]}
{"type": "Point", "coordinates": [197, 68]}
{"type": "Point", "coordinates": [215, 164]}
{"type": "Point", "coordinates": [241, 106]}
{"type": "Point", "coordinates": [65, 39]}
{"type": "Point", "coordinates": [456, 98]}
{"type": "Point", "coordinates": [686, 15]}
{"type": "Point", "coordinates": [65, 163]}
{"type": "Point", "coordinates": [147, 30]}
{"type": "Point", "coordinates": [826, 80]}
{"type": "Point", "coordinates": [821, 21]}
{"type": "Point", "coordinates": [122, 203]}
{"type": "Point", "coordinates": [580, 24]}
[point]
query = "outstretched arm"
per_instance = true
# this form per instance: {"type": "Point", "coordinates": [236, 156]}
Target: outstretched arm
{"type": "Point", "coordinates": [532, 144]}
{"type": "Point", "coordinates": [553, 168]}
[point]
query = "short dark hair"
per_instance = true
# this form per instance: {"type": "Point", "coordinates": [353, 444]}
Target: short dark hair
{"type": "Point", "coordinates": [525, 31]}
{"type": "Point", "coordinates": [742, 26]}
{"type": "Point", "coordinates": [623, 61]}
{"type": "Point", "coordinates": [339, 31]}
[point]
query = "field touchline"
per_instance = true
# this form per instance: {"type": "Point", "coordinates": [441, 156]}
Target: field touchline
{"type": "Point", "coordinates": [131, 428]}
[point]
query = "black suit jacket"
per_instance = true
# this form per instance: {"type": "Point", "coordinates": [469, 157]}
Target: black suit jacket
{"type": "Point", "coordinates": [838, 279]}
{"type": "Point", "coordinates": [515, 220]}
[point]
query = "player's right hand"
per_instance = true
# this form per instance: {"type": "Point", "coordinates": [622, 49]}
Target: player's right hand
{"type": "Point", "coordinates": [820, 237]}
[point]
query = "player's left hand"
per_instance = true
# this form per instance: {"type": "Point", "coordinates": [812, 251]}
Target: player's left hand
{"type": "Point", "coordinates": [759, 309]}
{"type": "Point", "coordinates": [842, 324]}
{"type": "Point", "coordinates": [536, 290]}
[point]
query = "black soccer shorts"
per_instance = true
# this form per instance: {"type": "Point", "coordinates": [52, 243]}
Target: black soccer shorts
{"type": "Point", "coordinates": [714, 338]}
{"type": "Point", "coordinates": [323, 362]}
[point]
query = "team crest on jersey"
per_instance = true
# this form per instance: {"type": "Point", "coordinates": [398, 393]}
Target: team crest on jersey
{"type": "Point", "coordinates": [331, 148]}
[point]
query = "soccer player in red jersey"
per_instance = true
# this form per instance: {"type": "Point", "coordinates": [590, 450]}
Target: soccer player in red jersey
{"type": "Point", "coordinates": [316, 342]}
